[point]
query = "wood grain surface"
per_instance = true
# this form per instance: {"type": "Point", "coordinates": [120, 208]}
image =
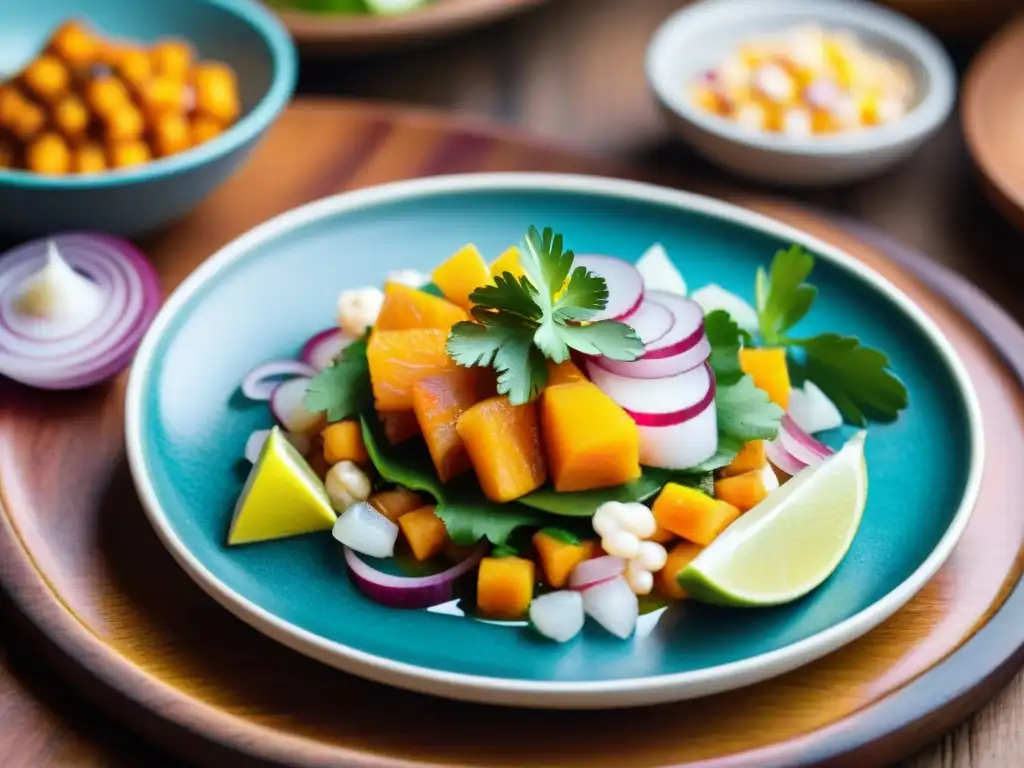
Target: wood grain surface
{"type": "Point", "coordinates": [993, 118]}
{"type": "Point", "coordinates": [113, 600]}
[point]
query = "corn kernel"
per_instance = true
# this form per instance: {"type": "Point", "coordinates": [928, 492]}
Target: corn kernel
{"type": "Point", "coordinates": [48, 154]}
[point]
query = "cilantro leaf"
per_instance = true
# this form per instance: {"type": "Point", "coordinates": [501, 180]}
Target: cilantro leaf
{"type": "Point", "coordinates": [783, 298]}
{"type": "Point", "coordinates": [856, 378]}
{"type": "Point", "coordinates": [522, 373]}
{"type": "Point", "coordinates": [503, 342]}
{"type": "Point", "coordinates": [546, 264]}
{"type": "Point", "coordinates": [744, 413]}
{"type": "Point", "coordinates": [605, 337]}
{"type": "Point", "coordinates": [508, 294]}
{"type": "Point", "coordinates": [585, 294]}
{"type": "Point", "coordinates": [504, 550]}
{"type": "Point", "coordinates": [469, 520]}
{"type": "Point", "coordinates": [725, 337]}
{"type": "Point", "coordinates": [342, 389]}
{"type": "Point", "coordinates": [562, 535]}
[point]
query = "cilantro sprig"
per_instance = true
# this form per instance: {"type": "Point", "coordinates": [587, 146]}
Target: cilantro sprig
{"type": "Point", "coordinates": [342, 389]}
{"type": "Point", "coordinates": [520, 323]}
{"type": "Point", "coordinates": [857, 378]}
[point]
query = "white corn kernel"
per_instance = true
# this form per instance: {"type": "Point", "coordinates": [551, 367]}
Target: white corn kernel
{"type": "Point", "coordinates": [652, 556]}
{"type": "Point", "coordinates": [640, 580]}
{"type": "Point", "coordinates": [358, 309]}
{"type": "Point", "coordinates": [346, 484]}
{"type": "Point", "coordinates": [638, 520]}
{"type": "Point", "coordinates": [621, 544]}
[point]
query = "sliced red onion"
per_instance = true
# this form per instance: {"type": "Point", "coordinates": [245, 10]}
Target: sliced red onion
{"type": "Point", "coordinates": [625, 285]}
{"type": "Point", "coordinates": [405, 592]}
{"type": "Point", "coordinates": [659, 273]}
{"type": "Point", "coordinates": [254, 445]}
{"type": "Point", "coordinates": [558, 615]}
{"type": "Point", "coordinates": [800, 445]}
{"type": "Point", "coordinates": [261, 381]}
{"type": "Point", "coordinates": [323, 348]}
{"type": "Point", "coordinates": [596, 571]}
{"type": "Point", "coordinates": [288, 407]}
{"type": "Point", "coordinates": [364, 529]}
{"type": "Point", "coordinates": [95, 341]}
{"type": "Point", "coordinates": [681, 416]}
{"type": "Point", "coordinates": [782, 458]}
{"type": "Point", "coordinates": [684, 347]}
{"type": "Point", "coordinates": [651, 322]}
{"type": "Point", "coordinates": [614, 606]}
{"type": "Point", "coordinates": [667, 395]}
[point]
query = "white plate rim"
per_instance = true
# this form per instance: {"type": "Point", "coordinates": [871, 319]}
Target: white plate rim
{"type": "Point", "coordinates": [626, 692]}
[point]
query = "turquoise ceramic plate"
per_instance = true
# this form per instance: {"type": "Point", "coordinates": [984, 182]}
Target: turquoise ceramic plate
{"type": "Point", "coordinates": [261, 296]}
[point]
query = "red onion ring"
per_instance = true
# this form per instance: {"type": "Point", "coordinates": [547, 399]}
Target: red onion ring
{"type": "Point", "coordinates": [37, 352]}
{"type": "Point", "coordinates": [782, 458]}
{"type": "Point", "coordinates": [596, 571]}
{"type": "Point", "coordinates": [261, 381]}
{"type": "Point", "coordinates": [323, 349]}
{"type": "Point", "coordinates": [677, 417]}
{"type": "Point", "coordinates": [406, 592]}
{"type": "Point", "coordinates": [801, 445]}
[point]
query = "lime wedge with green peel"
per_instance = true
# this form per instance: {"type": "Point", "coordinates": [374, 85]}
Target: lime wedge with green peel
{"type": "Point", "coordinates": [282, 497]}
{"type": "Point", "coordinates": [789, 543]}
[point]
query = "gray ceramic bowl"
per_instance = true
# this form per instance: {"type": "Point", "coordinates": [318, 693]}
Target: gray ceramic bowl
{"type": "Point", "coordinates": [137, 200]}
{"type": "Point", "coordinates": [699, 36]}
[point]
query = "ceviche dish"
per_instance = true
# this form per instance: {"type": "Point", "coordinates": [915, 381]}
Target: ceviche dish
{"type": "Point", "coordinates": [553, 437]}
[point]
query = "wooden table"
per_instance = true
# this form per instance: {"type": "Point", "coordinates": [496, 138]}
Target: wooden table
{"type": "Point", "coordinates": [572, 71]}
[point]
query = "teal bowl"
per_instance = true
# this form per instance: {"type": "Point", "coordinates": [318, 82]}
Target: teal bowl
{"type": "Point", "coordinates": [138, 200]}
{"type": "Point", "coordinates": [262, 295]}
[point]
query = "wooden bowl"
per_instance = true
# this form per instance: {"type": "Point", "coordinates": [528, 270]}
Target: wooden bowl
{"type": "Point", "coordinates": [993, 118]}
{"type": "Point", "coordinates": [347, 34]}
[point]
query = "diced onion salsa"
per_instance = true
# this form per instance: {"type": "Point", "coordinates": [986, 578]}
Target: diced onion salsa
{"type": "Point", "coordinates": [547, 436]}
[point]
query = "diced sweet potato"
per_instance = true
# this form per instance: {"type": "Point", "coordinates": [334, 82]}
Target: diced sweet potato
{"type": "Point", "coordinates": [751, 456]}
{"type": "Point", "coordinates": [558, 558]}
{"type": "Point", "coordinates": [438, 402]}
{"type": "Point", "coordinates": [744, 491]}
{"type": "Point", "coordinates": [343, 441]}
{"type": "Point", "coordinates": [589, 441]}
{"type": "Point", "coordinates": [399, 426]}
{"type": "Point", "coordinates": [395, 503]}
{"type": "Point", "coordinates": [508, 262]}
{"type": "Point", "coordinates": [406, 308]}
{"type": "Point", "coordinates": [461, 274]}
{"type": "Point", "coordinates": [692, 514]}
{"type": "Point", "coordinates": [503, 443]}
{"type": "Point", "coordinates": [678, 558]}
{"type": "Point", "coordinates": [424, 532]}
{"type": "Point", "coordinates": [564, 373]}
{"type": "Point", "coordinates": [398, 359]}
{"type": "Point", "coordinates": [662, 536]}
{"type": "Point", "coordinates": [768, 369]}
{"type": "Point", "coordinates": [504, 587]}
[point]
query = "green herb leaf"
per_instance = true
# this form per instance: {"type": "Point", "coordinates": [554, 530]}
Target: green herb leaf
{"type": "Point", "coordinates": [469, 520]}
{"type": "Point", "coordinates": [585, 503]}
{"type": "Point", "coordinates": [562, 535]}
{"type": "Point", "coordinates": [342, 389]}
{"type": "Point", "coordinates": [725, 337]}
{"type": "Point", "coordinates": [504, 550]}
{"type": "Point", "coordinates": [856, 378]}
{"type": "Point", "coordinates": [520, 324]}
{"type": "Point", "coordinates": [407, 464]}
{"type": "Point", "coordinates": [783, 298]}
{"type": "Point", "coordinates": [744, 413]}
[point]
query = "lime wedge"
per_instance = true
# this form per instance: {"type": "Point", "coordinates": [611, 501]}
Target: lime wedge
{"type": "Point", "coordinates": [789, 543]}
{"type": "Point", "coordinates": [282, 497]}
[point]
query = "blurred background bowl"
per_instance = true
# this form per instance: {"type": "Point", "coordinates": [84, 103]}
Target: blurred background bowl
{"type": "Point", "coordinates": [698, 37]}
{"type": "Point", "coordinates": [140, 199]}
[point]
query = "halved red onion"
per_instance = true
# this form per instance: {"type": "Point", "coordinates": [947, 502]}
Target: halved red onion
{"type": "Point", "coordinates": [675, 415]}
{"type": "Point", "coordinates": [261, 381]}
{"type": "Point", "coordinates": [782, 458]}
{"type": "Point", "coordinates": [800, 445]}
{"type": "Point", "coordinates": [596, 571]}
{"type": "Point", "coordinates": [288, 406]}
{"type": "Point", "coordinates": [323, 348]}
{"type": "Point", "coordinates": [684, 347]}
{"type": "Point", "coordinates": [651, 321]}
{"type": "Point", "coordinates": [625, 285]}
{"type": "Point", "coordinates": [63, 352]}
{"type": "Point", "coordinates": [406, 592]}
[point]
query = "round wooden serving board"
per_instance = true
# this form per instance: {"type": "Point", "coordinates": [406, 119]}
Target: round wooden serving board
{"type": "Point", "coordinates": [83, 566]}
{"type": "Point", "coordinates": [993, 118]}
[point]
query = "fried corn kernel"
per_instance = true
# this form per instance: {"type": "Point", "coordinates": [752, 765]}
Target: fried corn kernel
{"type": "Point", "coordinates": [71, 117]}
{"type": "Point", "coordinates": [804, 82]}
{"type": "Point", "coordinates": [128, 153]}
{"type": "Point", "coordinates": [23, 118]}
{"type": "Point", "coordinates": [125, 123]}
{"type": "Point", "coordinates": [48, 78]}
{"type": "Point", "coordinates": [135, 68]}
{"type": "Point", "coordinates": [105, 95]}
{"type": "Point", "coordinates": [163, 94]}
{"type": "Point", "coordinates": [172, 58]}
{"type": "Point", "coordinates": [75, 45]}
{"type": "Point", "coordinates": [216, 91]}
{"type": "Point", "coordinates": [48, 154]}
{"type": "Point", "coordinates": [171, 134]}
{"type": "Point", "coordinates": [89, 158]}
{"type": "Point", "coordinates": [205, 128]}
